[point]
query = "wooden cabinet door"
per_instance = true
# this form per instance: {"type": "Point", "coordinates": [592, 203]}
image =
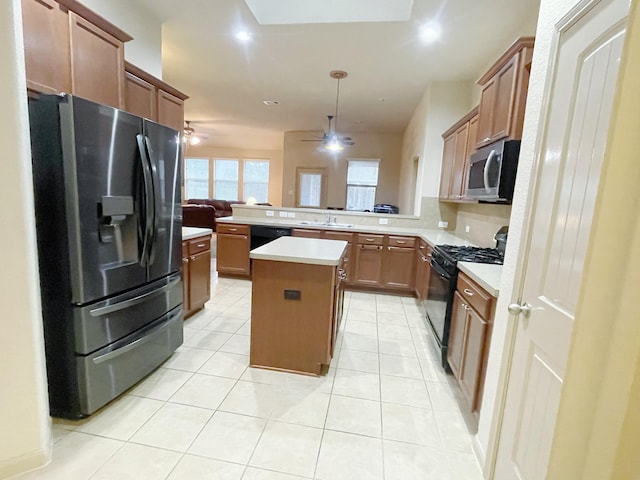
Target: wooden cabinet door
{"type": "Point", "coordinates": [457, 336]}
{"type": "Point", "coordinates": [232, 254]}
{"type": "Point", "coordinates": [504, 100]}
{"type": "Point", "coordinates": [448, 160]}
{"type": "Point", "coordinates": [199, 279]}
{"type": "Point", "coordinates": [460, 162]}
{"type": "Point", "coordinates": [46, 46]}
{"type": "Point", "coordinates": [368, 268]}
{"type": "Point", "coordinates": [486, 112]}
{"type": "Point", "coordinates": [170, 110]}
{"type": "Point", "coordinates": [476, 339]}
{"type": "Point", "coordinates": [398, 271]}
{"type": "Point", "coordinates": [348, 258]}
{"type": "Point", "coordinates": [185, 279]}
{"type": "Point", "coordinates": [423, 270]}
{"type": "Point", "coordinates": [97, 63]}
{"type": "Point", "coordinates": [141, 98]}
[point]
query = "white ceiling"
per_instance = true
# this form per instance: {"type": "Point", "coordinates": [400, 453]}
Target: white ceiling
{"type": "Point", "coordinates": [228, 81]}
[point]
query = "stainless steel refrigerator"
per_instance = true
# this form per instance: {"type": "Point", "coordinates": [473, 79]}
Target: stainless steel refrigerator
{"type": "Point", "coordinates": [107, 197]}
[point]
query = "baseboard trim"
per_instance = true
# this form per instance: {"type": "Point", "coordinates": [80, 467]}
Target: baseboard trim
{"type": "Point", "coordinates": [23, 463]}
{"type": "Point", "coordinates": [478, 451]}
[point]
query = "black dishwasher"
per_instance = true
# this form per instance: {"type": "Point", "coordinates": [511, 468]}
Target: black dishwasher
{"type": "Point", "coordinates": [261, 234]}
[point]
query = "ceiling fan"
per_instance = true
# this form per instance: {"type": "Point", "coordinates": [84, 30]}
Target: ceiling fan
{"type": "Point", "coordinates": [190, 135]}
{"type": "Point", "coordinates": [331, 140]}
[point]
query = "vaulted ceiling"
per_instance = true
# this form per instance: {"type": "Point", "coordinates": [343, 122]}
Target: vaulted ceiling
{"type": "Point", "coordinates": [389, 66]}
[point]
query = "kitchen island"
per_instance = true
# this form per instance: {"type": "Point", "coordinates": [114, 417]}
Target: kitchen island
{"type": "Point", "coordinates": [296, 303]}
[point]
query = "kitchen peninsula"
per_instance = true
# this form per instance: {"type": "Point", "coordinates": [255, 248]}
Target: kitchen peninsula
{"type": "Point", "coordinates": [296, 304]}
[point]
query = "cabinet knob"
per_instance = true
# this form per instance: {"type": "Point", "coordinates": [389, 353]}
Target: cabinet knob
{"type": "Point", "coordinates": [486, 139]}
{"type": "Point", "coordinates": [193, 257]}
{"type": "Point", "coordinates": [185, 260]}
{"type": "Point", "coordinates": [200, 245]}
{"type": "Point", "coordinates": [468, 292]}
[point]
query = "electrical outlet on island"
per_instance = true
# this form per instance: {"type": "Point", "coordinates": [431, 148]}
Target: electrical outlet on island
{"type": "Point", "coordinates": [282, 214]}
{"type": "Point", "coordinates": [383, 221]}
{"type": "Point", "coordinates": [269, 213]}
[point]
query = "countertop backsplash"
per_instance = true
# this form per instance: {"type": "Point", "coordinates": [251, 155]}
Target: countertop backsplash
{"type": "Point", "coordinates": [483, 220]}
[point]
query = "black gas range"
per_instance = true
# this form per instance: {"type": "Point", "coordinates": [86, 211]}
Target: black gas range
{"type": "Point", "coordinates": [442, 285]}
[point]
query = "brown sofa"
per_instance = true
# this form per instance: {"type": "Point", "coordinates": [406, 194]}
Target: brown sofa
{"type": "Point", "coordinates": [202, 212]}
{"type": "Point", "coordinates": [199, 216]}
{"type": "Point", "coordinates": [223, 207]}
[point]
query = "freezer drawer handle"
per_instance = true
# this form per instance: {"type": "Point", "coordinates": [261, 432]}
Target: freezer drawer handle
{"type": "Point", "coordinates": [97, 312]}
{"type": "Point", "coordinates": [130, 346]}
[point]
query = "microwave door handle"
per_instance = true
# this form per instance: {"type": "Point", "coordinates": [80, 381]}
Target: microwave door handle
{"type": "Point", "coordinates": [490, 158]}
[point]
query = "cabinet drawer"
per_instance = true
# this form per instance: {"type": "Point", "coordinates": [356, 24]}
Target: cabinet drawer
{"type": "Point", "coordinates": [395, 241]}
{"type": "Point", "coordinates": [231, 228]}
{"type": "Point", "coordinates": [365, 239]}
{"type": "Point", "coordinates": [200, 244]}
{"type": "Point", "coordinates": [475, 296]}
{"type": "Point", "coordinates": [306, 233]}
{"type": "Point", "coordinates": [347, 237]}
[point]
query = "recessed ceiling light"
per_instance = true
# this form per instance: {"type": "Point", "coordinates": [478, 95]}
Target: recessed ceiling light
{"type": "Point", "coordinates": [270, 103]}
{"type": "Point", "coordinates": [243, 36]}
{"type": "Point", "coordinates": [430, 32]}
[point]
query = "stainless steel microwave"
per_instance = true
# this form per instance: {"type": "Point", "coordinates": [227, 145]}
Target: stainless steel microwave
{"type": "Point", "coordinates": [492, 172]}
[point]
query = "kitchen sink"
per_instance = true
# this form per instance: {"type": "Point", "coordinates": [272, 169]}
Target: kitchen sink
{"type": "Point", "coordinates": [325, 224]}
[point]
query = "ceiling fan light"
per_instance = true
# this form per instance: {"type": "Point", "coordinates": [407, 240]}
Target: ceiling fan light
{"type": "Point", "coordinates": [194, 141]}
{"type": "Point", "coordinates": [334, 144]}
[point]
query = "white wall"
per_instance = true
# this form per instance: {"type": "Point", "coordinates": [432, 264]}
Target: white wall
{"type": "Point", "coordinates": [24, 414]}
{"type": "Point", "coordinates": [442, 104]}
{"type": "Point", "coordinates": [145, 50]}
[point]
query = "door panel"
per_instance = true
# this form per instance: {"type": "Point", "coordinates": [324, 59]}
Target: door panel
{"type": "Point", "coordinates": [165, 151]}
{"type": "Point", "coordinates": [574, 141]}
{"type": "Point", "coordinates": [102, 195]}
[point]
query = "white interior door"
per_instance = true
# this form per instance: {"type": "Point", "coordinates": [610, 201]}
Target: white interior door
{"type": "Point", "coordinates": [581, 96]}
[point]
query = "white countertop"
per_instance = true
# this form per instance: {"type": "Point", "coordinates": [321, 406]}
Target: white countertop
{"type": "Point", "coordinates": [193, 232]}
{"type": "Point", "coordinates": [434, 237]}
{"type": "Point", "coordinates": [312, 251]}
{"type": "Point", "coordinates": [487, 275]}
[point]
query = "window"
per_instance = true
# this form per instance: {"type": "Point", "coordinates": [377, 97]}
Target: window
{"type": "Point", "coordinates": [196, 177]}
{"type": "Point", "coordinates": [256, 180]}
{"type": "Point", "coordinates": [362, 180]}
{"type": "Point", "coordinates": [311, 187]}
{"type": "Point", "coordinates": [225, 176]}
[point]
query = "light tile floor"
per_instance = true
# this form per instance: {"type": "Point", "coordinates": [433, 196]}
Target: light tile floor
{"type": "Point", "coordinates": [384, 411]}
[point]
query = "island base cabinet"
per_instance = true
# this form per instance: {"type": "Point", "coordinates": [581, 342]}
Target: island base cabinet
{"type": "Point", "coordinates": [232, 251]}
{"type": "Point", "coordinates": [293, 316]}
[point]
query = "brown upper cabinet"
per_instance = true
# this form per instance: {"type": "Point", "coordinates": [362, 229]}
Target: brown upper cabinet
{"type": "Point", "coordinates": [150, 97]}
{"type": "Point", "coordinates": [68, 48]}
{"type": "Point", "coordinates": [504, 94]}
{"type": "Point", "coordinates": [459, 143]}
{"type": "Point", "coordinates": [46, 46]}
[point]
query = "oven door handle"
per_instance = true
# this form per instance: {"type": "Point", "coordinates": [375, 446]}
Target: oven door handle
{"type": "Point", "coordinates": [439, 270]}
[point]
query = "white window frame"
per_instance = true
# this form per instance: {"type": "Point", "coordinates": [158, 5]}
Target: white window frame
{"type": "Point", "coordinates": [265, 182]}
{"type": "Point", "coordinates": [215, 180]}
{"type": "Point", "coordinates": [323, 173]}
{"type": "Point", "coordinates": [351, 161]}
{"type": "Point", "coordinates": [187, 179]}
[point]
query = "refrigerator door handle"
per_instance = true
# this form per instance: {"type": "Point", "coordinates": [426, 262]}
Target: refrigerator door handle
{"type": "Point", "coordinates": [156, 188]}
{"type": "Point", "coordinates": [98, 312]}
{"type": "Point", "coordinates": [147, 181]}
